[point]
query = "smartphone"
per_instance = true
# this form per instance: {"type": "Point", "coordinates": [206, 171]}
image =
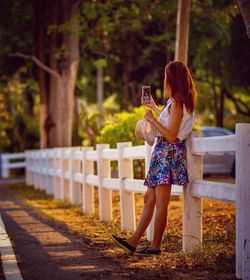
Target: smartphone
{"type": "Point", "coordinates": [146, 93]}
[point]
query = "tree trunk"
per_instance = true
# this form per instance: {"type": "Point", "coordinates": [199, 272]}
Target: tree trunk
{"type": "Point", "coordinates": [39, 34]}
{"type": "Point", "coordinates": [52, 119]}
{"type": "Point", "coordinates": [68, 69]}
{"type": "Point", "coordinates": [245, 11]}
{"type": "Point", "coordinates": [220, 117]}
{"type": "Point", "coordinates": [218, 106]}
{"type": "Point", "coordinates": [127, 65]}
{"type": "Point", "coordinates": [57, 99]}
{"type": "Point", "coordinates": [76, 141]}
{"type": "Point", "coordinates": [182, 31]}
{"type": "Point", "coordinates": [62, 87]}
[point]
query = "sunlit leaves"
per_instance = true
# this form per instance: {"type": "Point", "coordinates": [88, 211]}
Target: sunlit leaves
{"type": "Point", "coordinates": [100, 63]}
{"type": "Point", "coordinates": [122, 126]}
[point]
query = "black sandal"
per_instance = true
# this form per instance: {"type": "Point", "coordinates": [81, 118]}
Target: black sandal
{"type": "Point", "coordinates": [148, 252]}
{"type": "Point", "coordinates": [121, 242]}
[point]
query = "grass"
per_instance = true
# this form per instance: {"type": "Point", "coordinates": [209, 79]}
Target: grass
{"type": "Point", "coordinates": [215, 256]}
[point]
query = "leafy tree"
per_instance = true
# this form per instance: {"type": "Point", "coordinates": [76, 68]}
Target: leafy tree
{"type": "Point", "coordinates": [131, 41]}
{"type": "Point", "coordinates": [212, 53]}
{"type": "Point", "coordinates": [57, 58]}
{"type": "Point", "coordinates": [19, 111]}
{"type": "Point", "coordinates": [135, 37]}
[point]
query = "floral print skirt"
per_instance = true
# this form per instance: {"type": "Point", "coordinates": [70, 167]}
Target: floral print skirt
{"type": "Point", "coordinates": [168, 164]}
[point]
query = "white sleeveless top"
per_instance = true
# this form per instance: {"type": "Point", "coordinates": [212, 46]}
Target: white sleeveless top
{"type": "Point", "coordinates": [186, 125]}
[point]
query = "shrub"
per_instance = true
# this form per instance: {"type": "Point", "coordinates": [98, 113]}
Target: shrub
{"type": "Point", "coordinates": [122, 128]}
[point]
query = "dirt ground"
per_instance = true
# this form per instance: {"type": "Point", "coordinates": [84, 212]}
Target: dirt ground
{"type": "Point", "coordinates": [53, 240]}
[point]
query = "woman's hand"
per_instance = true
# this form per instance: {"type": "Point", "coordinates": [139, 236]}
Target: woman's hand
{"type": "Point", "coordinates": [149, 116]}
{"type": "Point", "coordinates": [151, 104]}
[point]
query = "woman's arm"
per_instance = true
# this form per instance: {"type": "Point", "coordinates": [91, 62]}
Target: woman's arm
{"type": "Point", "coordinates": [171, 133]}
{"type": "Point", "coordinates": [157, 110]}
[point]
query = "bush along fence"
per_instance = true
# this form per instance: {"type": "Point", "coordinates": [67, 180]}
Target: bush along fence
{"type": "Point", "coordinates": [68, 173]}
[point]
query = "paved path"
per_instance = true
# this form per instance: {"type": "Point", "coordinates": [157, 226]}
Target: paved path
{"type": "Point", "coordinates": [45, 251]}
{"type": "Point", "coordinates": [9, 263]}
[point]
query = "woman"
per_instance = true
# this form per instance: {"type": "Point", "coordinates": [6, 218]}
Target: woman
{"type": "Point", "coordinates": [168, 162]}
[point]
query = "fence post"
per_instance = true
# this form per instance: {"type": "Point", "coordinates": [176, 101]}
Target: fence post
{"type": "Point", "coordinates": [30, 180]}
{"type": "Point", "coordinates": [64, 181]}
{"type": "Point", "coordinates": [4, 166]}
{"type": "Point", "coordinates": [40, 169]}
{"type": "Point", "coordinates": [27, 169]}
{"type": "Point", "coordinates": [105, 195]}
{"type": "Point", "coordinates": [37, 169]}
{"type": "Point", "coordinates": [74, 187]}
{"type": "Point", "coordinates": [44, 175]}
{"type": "Point", "coordinates": [242, 201]}
{"type": "Point", "coordinates": [127, 201]}
{"type": "Point", "coordinates": [57, 166]}
{"type": "Point", "coordinates": [33, 168]}
{"type": "Point", "coordinates": [192, 206]}
{"type": "Point", "coordinates": [29, 174]}
{"type": "Point", "coordinates": [46, 167]}
{"type": "Point", "coordinates": [49, 163]}
{"type": "Point", "coordinates": [150, 228]}
{"type": "Point", "coordinates": [50, 178]}
{"type": "Point", "coordinates": [88, 204]}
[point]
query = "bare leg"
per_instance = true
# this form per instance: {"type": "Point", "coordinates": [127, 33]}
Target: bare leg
{"type": "Point", "coordinates": [162, 194]}
{"type": "Point", "coordinates": [145, 218]}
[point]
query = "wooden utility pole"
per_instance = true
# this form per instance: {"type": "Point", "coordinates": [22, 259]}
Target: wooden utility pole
{"type": "Point", "coordinates": [182, 31]}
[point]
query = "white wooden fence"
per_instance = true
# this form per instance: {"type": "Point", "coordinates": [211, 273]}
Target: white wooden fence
{"type": "Point", "coordinates": [6, 163]}
{"type": "Point", "coordinates": [68, 173]}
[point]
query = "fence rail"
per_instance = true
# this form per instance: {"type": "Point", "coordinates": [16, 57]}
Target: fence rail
{"type": "Point", "coordinates": [69, 173]}
{"type": "Point", "coordinates": [7, 165]}
{"type": "Point", "coordinates": [214, 190]}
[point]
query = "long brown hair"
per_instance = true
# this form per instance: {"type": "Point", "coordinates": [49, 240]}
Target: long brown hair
{"type": "Point", "coordinates": [179, 84]}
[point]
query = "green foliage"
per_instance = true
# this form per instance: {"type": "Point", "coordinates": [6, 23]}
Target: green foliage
{"type": "Point", "coordinates": [121, 128]}
{"type": "Point", "coordinates": [100, 63]}
{"type": "Point", "coordinates": [4, 122]}
{"type": "Point", "coordinates": [88, 131]}
{"type": "Point", "coordinates": [15, 33]}
{"type": "Point", "coordinates": [239, 55]}
{"type": "Point", "coordinates": [19, 105]}
{"type": "Point", "coordinates": [132, 41]}
{"type": "Point", "coordinates": [132, 36]}
{"type": "Point", "coordinates": [216, 36]}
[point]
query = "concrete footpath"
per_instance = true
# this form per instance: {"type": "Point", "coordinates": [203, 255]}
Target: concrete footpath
{"type": "Point", "coordinates": [45, 250]}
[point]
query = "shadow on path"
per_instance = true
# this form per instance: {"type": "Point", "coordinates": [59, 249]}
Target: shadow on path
{"type": "Point", "coordinates": [46, 249]}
